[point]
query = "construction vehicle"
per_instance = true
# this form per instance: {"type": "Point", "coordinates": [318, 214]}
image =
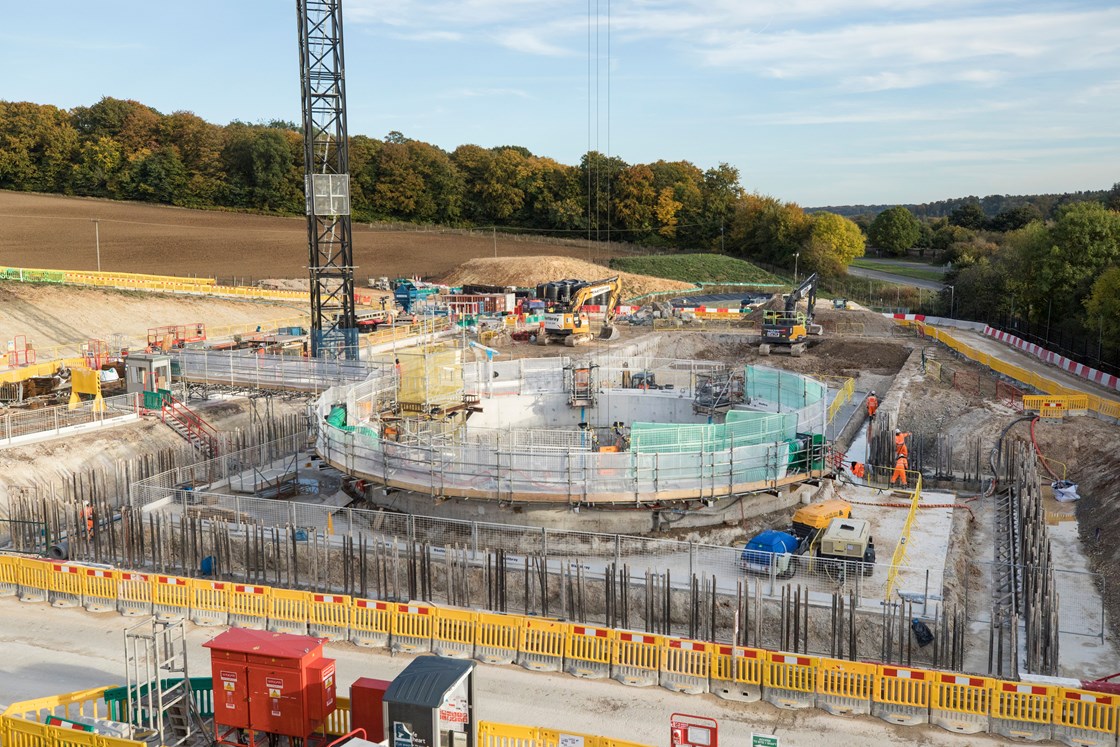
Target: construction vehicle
{"type": "Point", "coordinates": [565, 319]}
{"type": "Point", "coordinates": [847, 545]}
{"type": "Point", "coordinates": [815, 517]}
{"type": "Point", "coordinates": [788, 330]}
{"type": "Point", "coordinates": [771, 549]}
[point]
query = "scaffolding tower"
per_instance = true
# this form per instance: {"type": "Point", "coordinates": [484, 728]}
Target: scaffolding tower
{"type": "Point", "coordinates": [160, 701]}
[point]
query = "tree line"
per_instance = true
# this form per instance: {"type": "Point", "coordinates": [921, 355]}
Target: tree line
{"type": "Point", "coordinates": [1043, 205]}
{"type": "Point", "coordinates": [124, 150]}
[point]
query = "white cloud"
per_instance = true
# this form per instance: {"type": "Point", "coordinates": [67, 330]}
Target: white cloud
{"type": "Point", "coordinates": [474, 93]}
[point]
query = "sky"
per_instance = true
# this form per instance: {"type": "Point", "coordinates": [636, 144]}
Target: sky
{"type": "Point", "coordinates": [818, 102]}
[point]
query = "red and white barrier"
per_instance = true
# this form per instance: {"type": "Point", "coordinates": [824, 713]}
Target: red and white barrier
{"type": "Point", "coordinates": [1048, 356]}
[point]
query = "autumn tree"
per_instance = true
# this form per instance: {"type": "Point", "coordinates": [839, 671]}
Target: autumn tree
{"type": "Point", "coordinates": [37, 147]}
{"type": "Point", "coordinates": [833, 242]}
{"type": "Point", "coordinates": [894, 230]}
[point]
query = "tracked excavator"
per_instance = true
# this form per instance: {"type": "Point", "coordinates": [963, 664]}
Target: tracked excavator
{"type": "Point", "coordinates": [565, 319]}
{"type": "Point", "coordinates": [788, 330]}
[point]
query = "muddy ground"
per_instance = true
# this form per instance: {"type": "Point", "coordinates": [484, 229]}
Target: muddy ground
{"type": "Point", "coordinates": [53, 232]}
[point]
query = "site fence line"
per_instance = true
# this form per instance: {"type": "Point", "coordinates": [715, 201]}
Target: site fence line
{"type": "Point", "coordinates": [958, 702]}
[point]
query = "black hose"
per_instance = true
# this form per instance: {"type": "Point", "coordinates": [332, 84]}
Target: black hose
{"type": "Point", "coordinates": [997, 450]}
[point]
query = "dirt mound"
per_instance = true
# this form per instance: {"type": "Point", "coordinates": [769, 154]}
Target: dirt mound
{"type": "Point", "coordinates": [529, 271]}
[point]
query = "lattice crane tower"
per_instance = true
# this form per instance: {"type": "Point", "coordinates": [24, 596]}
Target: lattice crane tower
{"type": "Point", "coordinates": [326, 164]}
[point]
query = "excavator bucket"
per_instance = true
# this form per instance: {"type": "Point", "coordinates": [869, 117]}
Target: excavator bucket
{"type": "Point", "coordinates": [609, 333]}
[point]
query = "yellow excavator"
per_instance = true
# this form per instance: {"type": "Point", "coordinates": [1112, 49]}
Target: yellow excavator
{"type": "Point", "coordinates": [788, 330]}
{"type": "Point", "coordinates": [565, 319]}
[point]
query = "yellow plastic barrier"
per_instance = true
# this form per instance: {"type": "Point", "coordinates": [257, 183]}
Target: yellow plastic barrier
{"type": "Point", "coordinates": [9, 575]}
{"type": "Point", "coordinates": [960, 703]}
{"type": "Point", "coordinates": [209, 602]}
{"type": "Point", "coordinates": [99, 589]}
{"type": "Point", "coordinates": [1085, 718]}
{"type": "Point", "coordinates": [65, 585]}
{"type": "Point", "coordinates": [685, 665]}
{"type": "Point", "coordinates": [901, 695]}
{"type": "Point", "coordinates": [412, 626]}
{"type": "Point", "coordinates": [511, 735]}
{"type": "Point", "coordinates": [736, 673]}
{"type": "Point", "coordinates": [541, 646]}
{"type": "Point", "coordinates": [789, 680]}
{"type": "Point", "coordinates": [899, 555]}
{"type": "Point", "coordinates": [134, 594]}
{"type": "Point", "coordinates": [171, 598]}
{"type": "Point", "coordinates": [1055, 406]}
{"type": "Point", "coordinates": [587, 651]}
{"type": "Point", "coordinates": [636, 658]}
{"type": "Point", "coordinates": [34, 580]}
{"type": "Point", "coordinates": [287, 611]}
{"type": "Point", "coordinates": [249, 606]}
{"type": "Point", "coordinates": [454, 633]}
{"type": "Point", "coordinates": [371, 622]}
{"type": "Point", "coordinates": [1022, 710]}
{"type": "Point", "coordinates": [329, 616]}
{"type": "Point", "coordinates": [845, 687]}
{"type": "Point", "coordinates": [497, 637]}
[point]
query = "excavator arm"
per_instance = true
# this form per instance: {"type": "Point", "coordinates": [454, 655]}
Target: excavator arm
{"type": "Point", "coordinates": [612, 288]}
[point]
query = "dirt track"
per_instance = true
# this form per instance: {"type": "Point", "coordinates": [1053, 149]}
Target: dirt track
{"type": "Point", "coordinates": [52, 232]}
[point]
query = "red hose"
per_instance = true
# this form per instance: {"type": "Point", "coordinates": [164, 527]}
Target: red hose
{"type": "Point", "coordinates": [1039, 452]}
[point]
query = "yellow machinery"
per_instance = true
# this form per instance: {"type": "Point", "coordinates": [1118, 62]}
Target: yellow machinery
{"type": "Point", "coordinates": [788, 330]}
{"type": "Point", "coordinates": [566, 321]}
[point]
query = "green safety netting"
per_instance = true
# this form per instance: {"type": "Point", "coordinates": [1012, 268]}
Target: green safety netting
{"type": "Point", "coordinates": [741, 427]}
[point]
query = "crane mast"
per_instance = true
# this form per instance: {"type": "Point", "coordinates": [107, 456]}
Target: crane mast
{"type": "Point", "coordinates": [326, 163]}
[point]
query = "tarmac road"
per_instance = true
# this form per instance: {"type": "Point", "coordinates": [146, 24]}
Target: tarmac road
{"type": "Point", "coordinates": [49, 651]}
{"type": "Point", "coordinates": [890, 277]}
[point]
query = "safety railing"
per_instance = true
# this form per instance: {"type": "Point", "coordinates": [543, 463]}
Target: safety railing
{"type": "Point", "coordinates": [904, 536]}
{"type": "Point", "coordinates": [958, 702]}
{"type": "Point", "coordinates": [17, 425]}
{"type": "Point", "coordinates": [1094, 403]}
{"type": "Point", "coordinates": [847, 388]}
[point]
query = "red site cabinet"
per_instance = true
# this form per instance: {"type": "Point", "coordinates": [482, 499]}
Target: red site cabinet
{"type": "Point", "coordinates": [274, 683]}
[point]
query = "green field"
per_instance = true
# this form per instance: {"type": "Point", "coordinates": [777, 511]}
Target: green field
{"type": "Point", "coordinates": [696, 268]}
{"type": "Point", "coordinates": [905, 270]}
